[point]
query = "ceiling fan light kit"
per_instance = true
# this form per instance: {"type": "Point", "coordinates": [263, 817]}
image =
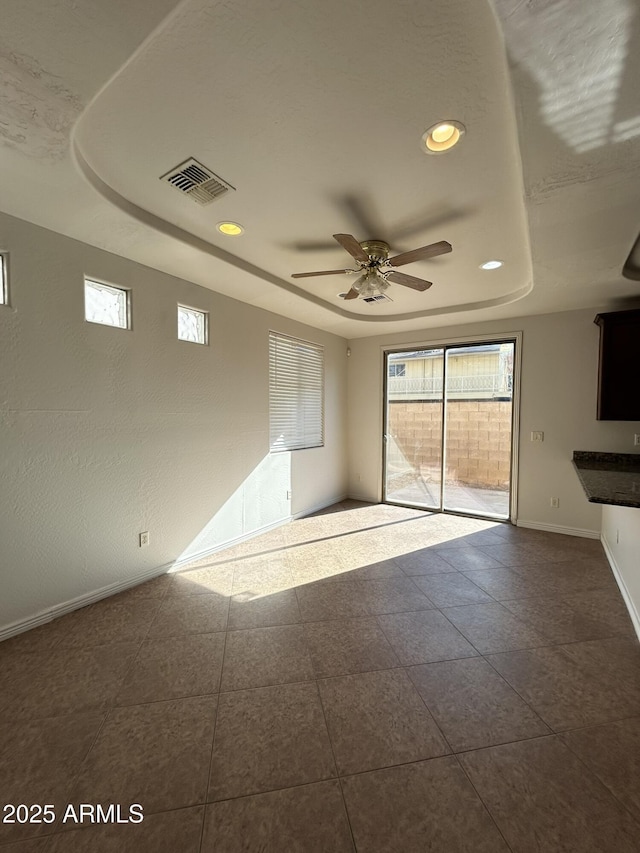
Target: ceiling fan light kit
{"type": "Point", "coordinates": [372, 257]}
{"type": "Point", "coordinates": [442, 136]}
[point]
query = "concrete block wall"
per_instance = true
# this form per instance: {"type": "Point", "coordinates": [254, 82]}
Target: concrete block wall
{"type": "Point", "coordinates": [478, 439]}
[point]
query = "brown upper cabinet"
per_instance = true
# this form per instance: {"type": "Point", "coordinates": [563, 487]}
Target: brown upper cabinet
{"type": "Point", "coordinates": [619, 366]}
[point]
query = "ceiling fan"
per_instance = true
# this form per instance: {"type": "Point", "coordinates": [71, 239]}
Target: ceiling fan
{"type": "Point", "coordinates": [372, 256]}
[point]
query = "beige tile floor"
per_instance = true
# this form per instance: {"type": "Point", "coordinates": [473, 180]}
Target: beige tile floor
{"type": "Point", "coordinates": [371, 678]}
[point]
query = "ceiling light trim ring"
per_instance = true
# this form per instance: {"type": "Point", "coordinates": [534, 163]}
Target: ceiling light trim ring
{"type": "Point", "coordinates": [431, 145]}
{"type": "Point", "coordinates": [230, 229]}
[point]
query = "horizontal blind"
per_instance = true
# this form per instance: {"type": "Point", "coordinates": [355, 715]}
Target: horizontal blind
{"type": "Point", "coordinates": [296, 393]}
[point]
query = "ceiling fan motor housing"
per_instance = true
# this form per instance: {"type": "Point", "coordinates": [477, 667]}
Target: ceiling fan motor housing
{"type": "Point", "coordinates": [377, 250]}
{"type": "Point", "coordinates": [372, 256]}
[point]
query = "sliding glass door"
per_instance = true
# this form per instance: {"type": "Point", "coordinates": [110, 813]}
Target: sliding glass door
{"type": "Point", "coordinates": [449, 426]}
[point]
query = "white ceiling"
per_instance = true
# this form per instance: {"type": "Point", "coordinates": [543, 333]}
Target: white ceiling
{"type": "Point", "coordinates": [313, 112]}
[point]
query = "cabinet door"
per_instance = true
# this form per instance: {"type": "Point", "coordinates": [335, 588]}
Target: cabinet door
{"type": "Point", "coordinates": [618, 379]}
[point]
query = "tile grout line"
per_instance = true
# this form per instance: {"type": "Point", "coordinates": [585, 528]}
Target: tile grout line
{"type": "Point", "coordinates": [205, 803]}
{"type": "Point", "coordinates": [517, 692]}
{"type": "Point", "coordinates": [335, 764]}
{"type": "Point", "coordinates": [484, 805]}
{"type": "Point", "coordinates": [591, 772]}
{"type": "Point", "coordinates": [105, 715]}
{"type": "Point", "coordinates": [213, 737]}
{"type": "Point", "coordinates": [116, 693]}
{"type": "Point", "coordinates": [550, 644]}
{"type": "Point", "coordinates": [429, 711]}
{"type": "Point", "coordinates": [286, 547]}
{"type": "Point", "coordinates": [598, 725]}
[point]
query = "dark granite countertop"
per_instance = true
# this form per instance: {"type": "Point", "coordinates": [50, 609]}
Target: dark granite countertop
{"type": "Point", "coordinates": [609, 478]}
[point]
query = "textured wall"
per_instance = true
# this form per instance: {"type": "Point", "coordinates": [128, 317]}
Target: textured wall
{"type": "Point", "coordinates": [107, 432]}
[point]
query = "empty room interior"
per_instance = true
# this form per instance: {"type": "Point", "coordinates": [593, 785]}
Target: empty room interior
{"type": "Point", "coordinates": [320, 426]}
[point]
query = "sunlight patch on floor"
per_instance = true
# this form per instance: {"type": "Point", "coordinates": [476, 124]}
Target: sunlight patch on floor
{"type": "Point", "coordinates": [335, 545]}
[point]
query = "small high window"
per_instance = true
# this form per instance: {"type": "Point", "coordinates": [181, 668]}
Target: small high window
{"type": "Point", "coordinates": [192, 325]}
{"type": "Point", "coordinates": [106, 304]}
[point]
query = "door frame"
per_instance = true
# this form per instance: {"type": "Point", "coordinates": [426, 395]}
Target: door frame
{"type": "Point", "coordinates": [502, 337]}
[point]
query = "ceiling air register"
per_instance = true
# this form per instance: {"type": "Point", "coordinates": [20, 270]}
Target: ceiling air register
{"type": "Point", "coordinates": [196, 181]}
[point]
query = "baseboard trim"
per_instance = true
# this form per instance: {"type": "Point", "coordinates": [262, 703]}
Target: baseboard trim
{"type": "Point", "coordinates": [318, 507]}
{"type": "Point", "coordinates": [624, 591]}
{"type": "Point", "coordinates": [44, 616]}
{"type": "Point", "coordinates": [181, 562]}
{"type": "Point", "coordinates": [363, 498]}
{"type": "Point", "coordinates": [559, 528]}
{"type": "Point", "coordinates": [22, 625]}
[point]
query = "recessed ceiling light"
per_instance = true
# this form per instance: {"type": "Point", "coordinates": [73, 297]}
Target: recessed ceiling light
{"type": "Point", "coordinates": [442, 136]}
{"type": "Point", "coordinates": [231, 229]}
{"type": "Point", "coordinates": [491, 265]}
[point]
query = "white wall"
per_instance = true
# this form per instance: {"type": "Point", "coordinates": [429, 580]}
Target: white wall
{"type": "Point", "coordinates": [106, 432]}
{"type": "Point", "coordinates": [558, 396]}
{"type": "Point", "coordinates": [621, 538]}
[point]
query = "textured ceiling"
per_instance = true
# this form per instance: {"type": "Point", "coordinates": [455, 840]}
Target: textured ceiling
{"type": "Point", "coordinates": [314, 113]}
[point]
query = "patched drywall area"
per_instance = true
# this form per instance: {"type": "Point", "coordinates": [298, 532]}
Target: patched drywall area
{"type": "Point", "coordinates": [37, 111]}
{"type": "Point", "coordinates": [53, 59]}
{"type": "Point", "coordinates": [108, 432]}
{"type": "Point", "coordinates": [557, 397]}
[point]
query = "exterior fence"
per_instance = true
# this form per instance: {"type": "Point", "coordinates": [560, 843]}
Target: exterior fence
{"type": "Point", "coordinates": [478, 441]}
{"type": "Point", "coordinates": [487, 385]}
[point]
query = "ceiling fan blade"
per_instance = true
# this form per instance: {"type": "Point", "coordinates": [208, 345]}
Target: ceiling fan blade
{"type": "Point", "coordinates": [310, 245]}
{"type": "Point", "coordinates": [322, 272]}
{"type": "Point", "coordinates": [434, 217]}
{"type": "Point", "coordinates": [408, 280]}
{"type": "Point", "coordinates": [349, 242]}
{"type": "Point", "coordinates": [431, 251]}
{"type": "Point", "coordinates": [352, 294]}
{"type": "Point", "coordinates": [362, 212]}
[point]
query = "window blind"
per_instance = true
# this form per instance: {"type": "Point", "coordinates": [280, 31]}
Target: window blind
{"type": "Point", "coordinates": [296, 393]}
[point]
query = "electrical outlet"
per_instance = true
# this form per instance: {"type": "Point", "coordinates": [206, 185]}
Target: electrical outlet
{"type": "Point", "coordinates": [537, 436]}
{"type": "Point", "coordinates": [555, 502]}
{"type": "Point", "coordinates": [636, 440]}
{"type": "Point", "coordinates": [144, 539]}
{"type": "Point", "coordinates": [288, 495]}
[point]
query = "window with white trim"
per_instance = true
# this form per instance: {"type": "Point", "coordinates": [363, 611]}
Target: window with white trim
{"type": "Point", "coordinates": [398, 369]}
{"type": "Point", "coordinates": [192, 325]}
{"type": "Point", "coordinates": [296, 393]}
{"type": "Point", "coordinates": [4, 295]}
{"type": "Point", "coordinates": [106, 304]}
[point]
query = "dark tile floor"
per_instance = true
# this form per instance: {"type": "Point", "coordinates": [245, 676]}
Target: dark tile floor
{"type": "Point", "coordinates": [371, 678]}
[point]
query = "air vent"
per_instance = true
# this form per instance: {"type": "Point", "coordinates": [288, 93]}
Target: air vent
{"type": "Point", "coordinates": [196, 181]}
{"type": "Point", "coordinates": [379, 297]}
